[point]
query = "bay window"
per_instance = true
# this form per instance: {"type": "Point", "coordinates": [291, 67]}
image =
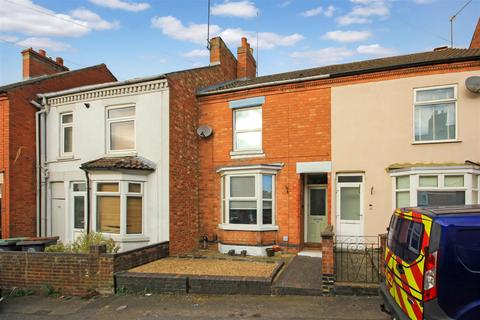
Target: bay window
{"type": "Point", "coordinates": [119, 207]}
{"type": "Point", "coordinates": [248, 199]}
{"type": "Point", "coordinates": [435, 114]}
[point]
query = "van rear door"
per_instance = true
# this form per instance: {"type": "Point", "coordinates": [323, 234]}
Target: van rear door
{"type": "Point", "coordinates": [410, 237]}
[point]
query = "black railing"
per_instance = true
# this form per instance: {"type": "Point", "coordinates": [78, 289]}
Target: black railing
{"type": "Point", "coordinates": [358, 259]}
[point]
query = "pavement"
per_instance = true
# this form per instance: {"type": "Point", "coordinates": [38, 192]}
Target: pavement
{"type": "Point", "coordinates": [302, 276]}
{"type": "Point", "coordinates": [198, 307]}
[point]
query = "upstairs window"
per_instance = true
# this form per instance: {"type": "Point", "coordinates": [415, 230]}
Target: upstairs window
{"type": "Point", "coordinates": [121, 129]}
{"type": "Point", "coordinates": [435, 114]}
{"type": "Point", "coordinates": [247, 129]}
{"type": "Point", "coordinates": [66, 134]}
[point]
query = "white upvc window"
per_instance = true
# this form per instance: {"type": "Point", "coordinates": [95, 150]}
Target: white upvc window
{"type": "Point", "coordinates": [248, 200]}
{"type": "Point", "coordinates": [247, 129]}
{"type": "Point", "coordinates": [435, 188]}
{"type": "Point", "coordinates": [79, 201]}
{"type": "Point", "coordinates": [120, 129]}
{"type": "Point", "coordinates": [402, 191]}
{"type": "Point", "coordinates": [435, 114]}
{"type": "Point", "coordinates": [119, 207]}
{"type": "Point", "coordinates": [66, 134]}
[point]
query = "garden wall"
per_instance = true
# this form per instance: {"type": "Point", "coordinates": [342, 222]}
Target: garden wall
{"type": "Point", "coordinates": [72, 273]}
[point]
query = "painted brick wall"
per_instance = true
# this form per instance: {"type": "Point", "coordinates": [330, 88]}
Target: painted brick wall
{"type": "Point", "coordinates": [296, 128]}
{"type": "Point", "coordinates": [184, 158]}
{"type": "Point", "coordinates": [18, 146]}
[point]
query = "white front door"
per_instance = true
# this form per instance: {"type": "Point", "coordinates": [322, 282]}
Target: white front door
{"type": "Point", "coordinates": [349, 207]}
{"type": "Point", "coordinates": [58, 218]}
{"type": "Point", "coordinates": [315, 213]}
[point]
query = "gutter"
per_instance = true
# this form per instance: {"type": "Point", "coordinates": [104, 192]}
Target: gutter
{"type": "Point", "coordinates": [341, 74]}
{"type": "Point", "coordinates": [40, 138]}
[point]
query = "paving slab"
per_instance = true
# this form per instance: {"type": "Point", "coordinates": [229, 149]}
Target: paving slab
{"type": "Point", "coordinates": [302, 276]}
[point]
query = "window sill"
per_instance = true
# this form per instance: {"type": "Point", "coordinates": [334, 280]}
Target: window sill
{"type": "Point", "coordinates": [435, 142]}
{"type": "Point", "coordinates": [247, 154]}
{"type": "Point", "coordinates": [120, 153]}
{"type": "Point", "coordinates": [244, 227]}
{"type": "Point", "coordinates": [127, 238]}
{"type": "Point", "coordinates": [65, 158]}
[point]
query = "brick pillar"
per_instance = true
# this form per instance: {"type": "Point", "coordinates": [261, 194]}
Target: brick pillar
{"type": "Point", "coordinates": [328, 260]}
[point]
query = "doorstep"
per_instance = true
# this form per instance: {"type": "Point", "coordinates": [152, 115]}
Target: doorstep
{"type": "Point", "coordinates": [313, 253]}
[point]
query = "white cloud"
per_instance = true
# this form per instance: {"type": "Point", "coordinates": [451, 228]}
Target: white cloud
{"type": "Point", "coordinates": [197, 33]}
{"type": "Point", "coordinates": [196, 53]}
{"type": "Point", "coordinates": [8, 38]}
{"type": "Point", "coordinates": [375, 50]}
{"type": "Point", "coordinates": [153, 58]}
{"type": "Point", "coordinates": [363, 10]}
{"type": "Point", "coordinates": [93, 20]}
{"type": "Point", "coordinates": [347, 36]}
{"type": "Point", "coordinates": [23, 16]}
{"type": "Point", "coordinates": [348, 20]}
{"type": "Point", "coordinates": [44, 43]}
{"type": "Point", "coordinates": [323, 56]}
{"type": "Point", "coordinates": [240, 9]}
{"type": "Point", "coordinates": [285, 3]}
{"type": "Point", "coordinates": [423, 1]}
{"type": "Point", "coordinates": [122, 5]}
{"type": "Point", "coordinates": [318, 11]}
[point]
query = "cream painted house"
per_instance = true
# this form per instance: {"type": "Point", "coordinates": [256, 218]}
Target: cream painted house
{"type": "Point", "coordinates": [410, 140]}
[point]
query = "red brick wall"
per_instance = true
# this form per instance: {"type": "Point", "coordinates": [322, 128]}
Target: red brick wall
{"type": "Point", "coordinates": [476, 37]}
{"type": "Point", "coordinates": [296, 128]}
{"type": "Point", "coordinates": [38, 64]}
{"type": "Point", "coordinates": [18, 146]}
{"type": "Point", "coordinates": [184, 164]}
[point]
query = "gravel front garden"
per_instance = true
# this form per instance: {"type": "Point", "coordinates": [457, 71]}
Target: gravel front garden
{"type": "Point", "coordinates": [210, 267]}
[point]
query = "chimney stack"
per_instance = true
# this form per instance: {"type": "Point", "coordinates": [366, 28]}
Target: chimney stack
{"type": "Point", "coordinates": [37, 64]}
{"type": "Point", "coordinates": [475, 44]}
{"type": "Point", "coordinates": [247, 66]}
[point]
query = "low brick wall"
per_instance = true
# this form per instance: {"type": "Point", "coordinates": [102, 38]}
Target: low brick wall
{"type": "Point", "coordinates": [72, 273]}
{"type": "Point", "coordinates": [136, 282]}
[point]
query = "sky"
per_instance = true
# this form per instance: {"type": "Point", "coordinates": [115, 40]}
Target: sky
{"type": "Point", "coordinates": [138, 38]}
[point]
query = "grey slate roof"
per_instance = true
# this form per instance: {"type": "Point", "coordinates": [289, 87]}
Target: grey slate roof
{"type": "Point", "coordinates": [118, 163]}
{"type": "Point", "coordinates": [447, 55]}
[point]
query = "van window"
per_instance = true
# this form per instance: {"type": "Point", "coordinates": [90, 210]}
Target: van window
{"type": "Point", "coordinates": [405, 238]}
{"type": "Point", "coordinates": [467, 247]}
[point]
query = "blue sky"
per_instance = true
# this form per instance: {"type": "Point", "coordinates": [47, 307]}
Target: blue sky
{"type": "Point", "coordinates": [138, 38]}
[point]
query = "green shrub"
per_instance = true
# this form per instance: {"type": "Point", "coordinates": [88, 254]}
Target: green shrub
{"type": "Point", "coordinates": [83, 243]}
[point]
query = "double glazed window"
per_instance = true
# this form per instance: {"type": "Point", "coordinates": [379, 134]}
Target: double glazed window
{"type": "Point", "coordinates": [248, 199]}
{"type": "Point", "coordinates": [405, 238]}
{"type": "Point", "coordinates": [121, 129]}
{"type": "Point", "coordinates": [119, 207]}
{"type": "Point", "coordinates": [435, 114]}
{"type": "Point", "coordinates": [79, 194]}
{"type": "Point", "coordinates": [66, 134]}
{"type": "Point", "coordinates": [247, 129]}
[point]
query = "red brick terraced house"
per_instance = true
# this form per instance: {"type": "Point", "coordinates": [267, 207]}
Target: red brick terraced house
{"type": "Point", "coordinates": [18, 172]}
{"type": "Point", "coordinates": [294, 152]}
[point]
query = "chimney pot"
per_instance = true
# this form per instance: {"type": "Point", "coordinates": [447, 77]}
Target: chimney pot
{"type": "Point", "coordinates": [244, 42]}
{"type": "Point", "coordinates": [42, 52]}
{"type": "Point", "coordinates": [59, 61]}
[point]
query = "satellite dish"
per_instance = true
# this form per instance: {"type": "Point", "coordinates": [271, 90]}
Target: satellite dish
{"type": "Point", "coordinates": [204, 131]}
{"type": "Point", "coordinates": [473, 84]}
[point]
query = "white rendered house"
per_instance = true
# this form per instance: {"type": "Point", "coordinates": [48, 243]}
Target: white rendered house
{"type": "Point", "coordinates": [106, 163]}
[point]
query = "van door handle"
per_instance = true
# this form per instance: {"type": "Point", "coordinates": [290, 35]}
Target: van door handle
{"type": "Point", "coordinates": [400, 269]}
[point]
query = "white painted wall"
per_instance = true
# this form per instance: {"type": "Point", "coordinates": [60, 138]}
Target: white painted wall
{"type": "Point", "coordinates": [90, 143]}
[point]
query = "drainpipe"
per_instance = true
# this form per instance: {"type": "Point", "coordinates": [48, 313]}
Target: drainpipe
{"type": "Point", "coordinates": [41, 148]}
{"type": "Point", "coordinates": [39, 164]}
{"type": "Point", "coordinates": [87, 209]}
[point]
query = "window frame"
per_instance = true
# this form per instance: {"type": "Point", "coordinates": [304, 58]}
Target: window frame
{"type": "Point", "coordinates": [454, 100]}
{"type": "Point", "coordinates": [225, 199]}
{"type": "Point", "coordinates": [109, 121]}
{"type": "Point", "coordinates": [79, 194]}
{"type": "Point", "coordinates": [235, 131]}
{"type": "Point", "coordinates": [64, 126]}
{"type": "Point", "coordinates": [123, 193]}
{"type": "Point", "coordinates": [399, 190]}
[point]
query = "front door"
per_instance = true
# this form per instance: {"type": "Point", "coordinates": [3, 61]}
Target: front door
{"type": "Point", "coordinates": [316, 213]}
{"type": "Point", "coordinates": [349, 207]}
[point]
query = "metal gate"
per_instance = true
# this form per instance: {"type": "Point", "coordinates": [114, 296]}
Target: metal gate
{"type": "Point", "coordinates": [358, 259]}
